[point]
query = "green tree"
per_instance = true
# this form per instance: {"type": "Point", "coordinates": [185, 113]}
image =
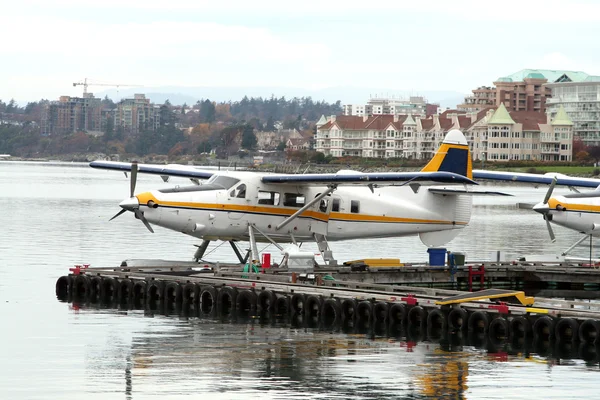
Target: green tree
{"type": "Point", "coordinates": [207, 111]}
{"type": "Point", "coordinates": [248, 137]}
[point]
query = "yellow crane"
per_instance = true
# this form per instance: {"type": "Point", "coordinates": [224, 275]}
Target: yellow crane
{"type": "Point", "coordinates": [85, 85]}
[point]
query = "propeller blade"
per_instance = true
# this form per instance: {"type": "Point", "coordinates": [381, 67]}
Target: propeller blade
{"type": "Point", "coordinates": [140, 215]}
{"type": "Point", "coordinates": [134, 171]}
{"type": "Point", "coordinates": [550, 231]}
{"type": "Point", "coordinates": [550, 190]}
{"type": "Point", "coordinates": [117, 214]}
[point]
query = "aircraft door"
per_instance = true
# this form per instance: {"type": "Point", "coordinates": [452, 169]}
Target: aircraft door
{"type": "Point", "coordinates": [322, 210]}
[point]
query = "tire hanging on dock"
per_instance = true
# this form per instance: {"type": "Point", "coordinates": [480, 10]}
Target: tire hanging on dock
{"type": "Point", "coordinates": [173, 295]}
{"type": "Point", "coordinates": [589, 331]}
{"type": "Point", "coordinates": [282, 306]}
{"type": "Point", "coordinates": [498, 330]}
{"type": "Point", "coordinates": [478, 322]}
{"type": "Point", "coordinates": [62, 288]}
{"type": "Point", "coordinates": [208, 299]}
{"type": "Point", "coordinates": [349, 309]}
{"type": "Point", "coordinates": [380, 312]}
{"type": "Point", "coordinates": [190, 294]}
{"type": "Point", "coordinates": [266, 301]}
{"type": "Point", "coordinates": [109, 291]}
{"type": "Point", "coordinates": [567, 330]}
{"type": "Point", "coordinates": [125, 294]}
{"type": "Point", "coordinates": [543, 328]}
{"type": "Point", "coordinates": [139, 293]}
{"type": "Point", "coordinates": [155, 294]}
{"type": "Point", "coordinates": [81, 287]}
{"type": "Point", "coordinates": [437, 323]}
{"type": "Point", "coordinates": [397, 314]}
{"type": "Point", "coordinates": [417, 317]}
{"type": "Point", "coordinates": [519, 327]}
{"type": "Point", "coordinates": [226, 302]}
{"type": "Point", "coordinates": [458, 319]}
{"type": "Point", "coordinates": [313, 306]}
{"type": "Point", "coordinates": [297, 303]}
{"type": "Point", "coordinates": [246, 302]}
{"type": "Point", "coordinates": [331, 313]}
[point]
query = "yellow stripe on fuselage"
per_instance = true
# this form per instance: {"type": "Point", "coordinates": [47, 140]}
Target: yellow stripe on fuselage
{"type": "Point", "coordinates": [144, 198]}
{"type": "Point", "coordinates": [553, 203]}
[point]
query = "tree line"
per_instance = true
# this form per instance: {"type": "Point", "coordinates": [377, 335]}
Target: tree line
{"type": "Point", "coordinates": [225, 127]}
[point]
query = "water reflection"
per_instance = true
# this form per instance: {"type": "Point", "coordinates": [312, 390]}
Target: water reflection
{"type": "Point", "coordinates": [241, 354]}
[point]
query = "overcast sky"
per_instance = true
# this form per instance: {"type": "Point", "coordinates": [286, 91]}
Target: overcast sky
{"type": "Point", "coordinates": [399, 45]}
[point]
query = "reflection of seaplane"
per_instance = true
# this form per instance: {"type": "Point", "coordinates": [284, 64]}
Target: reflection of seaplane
{"type": "Point", "coordinates": [576, 211]}
{"type": "Point", "coordinates": [434, 203]}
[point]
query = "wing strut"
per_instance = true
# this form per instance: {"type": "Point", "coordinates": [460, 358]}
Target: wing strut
{"type": "Point", "coordinates": [306, 206]}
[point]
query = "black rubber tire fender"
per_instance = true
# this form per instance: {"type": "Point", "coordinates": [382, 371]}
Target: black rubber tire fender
{"type": "Point", "coordinates": [499, 329]}
{"type": "Point", "coordinates": [62, 288]}
{"type": "Point", "coordinates": [332, 311]}
{"type": "Point", "coordinates": [139, 292]}
{"type": "Point", "coordinates": [313, 306]}
{"type": "Point", "coordinates": [190, 294]}
{"type": "Point", "coordinates": [589, 331]}
{"type": "Point", "coordinates": [297, 303]}
{"type": "Point", "coordinates": [155, 291]}
{"type": "Point", "coordinates": [208, 298]}
{"type": "Point", "coordinates": [397, 313]}
{"type": "Point", "coordinates": [478, 322]}
{"type": "Point", "coordinates": [266, 301]}
{"type": "Point", "coordinates": [282, 305]}
{"type": "Point", "coordinates": [417, 316]}
{"type": "Point", "coordinates": [543, 328]}
{"type": "Point", "coordinates": [110, 290]}
{"type": "Point", "coordinates": [567, 330]}
{"type": "Point", "coordinates": [381, 311]}
{"type": "Point", "coordinates": [227, 299]}
{"type": "Point", "coordinates": [458, 319]}
{"type": "Point", "coordinates": [247, 301]}
{"type": "Point", "coordinates": [349, 310]}
{"type": "Point", "coordinates": [519, 327]}
{"type": "Point", "coordinates": [437, 319]}
{"type": "Point", "coordinates": [364, 312]}
{"type": "Point", "coordinates": [125, 294]}
{"type": "Point", "coordinates": [173, 293]}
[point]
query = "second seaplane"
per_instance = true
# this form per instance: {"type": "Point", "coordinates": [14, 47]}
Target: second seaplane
{"type": "Point", "coordinates": [434, 203]}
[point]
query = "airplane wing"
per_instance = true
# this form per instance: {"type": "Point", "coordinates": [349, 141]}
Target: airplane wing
{"type": "Point", "coordinates": [536, 178]}
{"type": "Point", "coordinates": [182, 171]}
{"type": "Point", "coordinates": [360, 178]}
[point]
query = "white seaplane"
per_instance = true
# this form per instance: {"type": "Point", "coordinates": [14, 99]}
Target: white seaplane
{"type": "Point", "coordinates": [434, 203]}
{"type": "Point", "coordinates": [576, 211]}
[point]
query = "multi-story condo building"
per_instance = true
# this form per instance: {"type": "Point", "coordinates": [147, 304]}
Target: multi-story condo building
{"type": "Point", "coordinates": [137, 114]}
{"type": "Point", "coordinates": [581, 101]}
{"type": "Point", "coordinates": [73, 114]}
{"type": "Point", "coordinates": [492, 134]}
{"type": "Point", "coordinates": [415, 105]}
{"type": "Point", "coordinates": [523, 135]}
{"type": "Point", "coordinates": [525, 90]}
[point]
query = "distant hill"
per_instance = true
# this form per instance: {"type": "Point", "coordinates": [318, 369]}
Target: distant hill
{"type": "Point", "coordinates": [178, 95]}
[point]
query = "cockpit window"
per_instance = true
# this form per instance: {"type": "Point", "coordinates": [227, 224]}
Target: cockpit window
{"type": "Point", "coordinates": [226, 182]}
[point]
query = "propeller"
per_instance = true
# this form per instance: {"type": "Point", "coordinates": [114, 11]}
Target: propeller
{"type": "Point", "coordinates": [545, 210]}
{"type": "Point", "coordinates": [132, 204]}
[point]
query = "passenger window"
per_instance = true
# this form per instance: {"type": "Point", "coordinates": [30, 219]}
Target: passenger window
{"type": "Point", "coordinates": [293, 199]}
{"type": "Point", "coordinates": [241, 191]}
{"type": "Point", "coordinates": [354, 206]}
{"type": "Point", "coordinates": [269, 198]}
{"type": "Point", "coordinates": [336, 205]}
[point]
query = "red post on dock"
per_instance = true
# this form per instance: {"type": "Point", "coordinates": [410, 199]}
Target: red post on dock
{"type": "Point", "coordinates": [479, 272]}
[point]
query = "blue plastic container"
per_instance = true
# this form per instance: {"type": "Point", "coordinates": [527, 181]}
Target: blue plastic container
{"type": "Point", "coordinates": [437, 256]}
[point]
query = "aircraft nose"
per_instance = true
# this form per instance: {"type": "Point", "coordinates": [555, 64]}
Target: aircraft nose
{"type": "Point", "coordinates": [130, 204]}
{"type": "Point", "coordinates": [542, 208]}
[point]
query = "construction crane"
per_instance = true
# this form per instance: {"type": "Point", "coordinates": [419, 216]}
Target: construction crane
{"type": "Point", "coordinates": [85, 85]}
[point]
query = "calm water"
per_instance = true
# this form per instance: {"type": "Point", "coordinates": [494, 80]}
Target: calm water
{"type": "Point", "coordinates": [54, 216]}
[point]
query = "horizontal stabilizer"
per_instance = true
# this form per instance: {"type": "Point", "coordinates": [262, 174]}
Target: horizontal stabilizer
{"type": "Point", "coordinates": [447, 191]}
{"type": "Point", "coordinates": [536, 178]}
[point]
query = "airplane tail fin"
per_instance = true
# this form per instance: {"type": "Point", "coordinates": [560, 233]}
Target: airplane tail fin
{"type": "Point", "coordinates": [452, 156]}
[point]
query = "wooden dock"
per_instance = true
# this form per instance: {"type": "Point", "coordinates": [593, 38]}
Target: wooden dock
{"type": "Point", "coordinates": [323, 298]}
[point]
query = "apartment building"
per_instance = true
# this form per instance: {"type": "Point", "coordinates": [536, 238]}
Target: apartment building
{"type": "Point", "coordinates": [73, 114]}
{"type": "Point", "coordinates": [581, 101]}
{"type": "Point", "coordinates": [137, 115]}
{"type": "Point", "coordinates": [493, 134]}
{"type": "Point", "coordinates": [525, 90]}
{"type": "Point", "coordinates": [414, 105]}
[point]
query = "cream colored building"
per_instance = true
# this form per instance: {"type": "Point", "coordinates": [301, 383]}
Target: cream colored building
{"type": "Point", "coordinates": [492, 134]}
